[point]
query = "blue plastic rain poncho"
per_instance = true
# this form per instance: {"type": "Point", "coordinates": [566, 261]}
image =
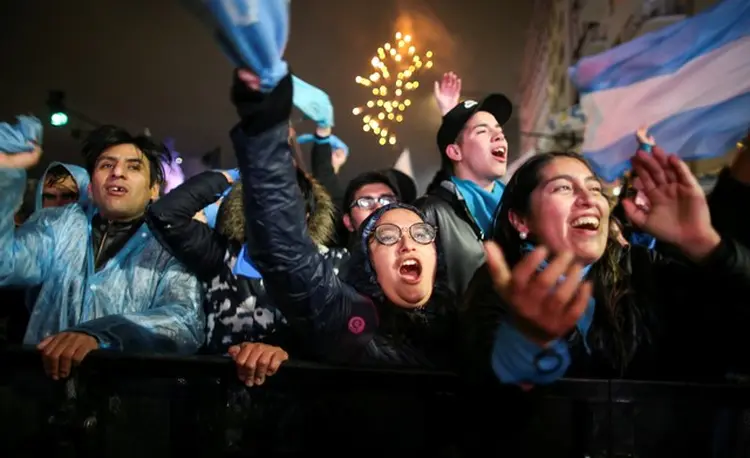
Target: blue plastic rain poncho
{"type": "Point", "coordinates": [19, 137]}
{"type": "Point", "coordinates": [142, 300]}
{"type": "Point", "coordinates": [80, 176]}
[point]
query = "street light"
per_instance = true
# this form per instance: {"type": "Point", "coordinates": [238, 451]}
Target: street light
{"type": "Point", "coordinates": [60, 113]}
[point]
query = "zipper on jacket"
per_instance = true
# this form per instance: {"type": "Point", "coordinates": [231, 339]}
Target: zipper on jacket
{"type": "Point", "coordinates": [477, 230]}
{"type": "Point", "coordinates": [105, 231]}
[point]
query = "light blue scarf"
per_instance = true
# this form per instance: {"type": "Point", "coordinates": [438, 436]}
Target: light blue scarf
{"type": "Point", "coordinates": [244, 266]}
{"type": "Point", "coordinates": [481, 203]}
{"type": "Point", "coordinates": [313, 102]}
{"type": "Point", "coordinates": [584, 323]}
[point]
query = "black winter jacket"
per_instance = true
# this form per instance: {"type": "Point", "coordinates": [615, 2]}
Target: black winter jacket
{"type": "Point", "coordinates": [346, 326]}
{"type": "Point", "coordinates": [670, 324]}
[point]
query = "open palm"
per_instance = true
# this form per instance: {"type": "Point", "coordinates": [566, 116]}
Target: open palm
{"type": "Point", "coordinates": [447, 92]}
{"type": "Point", "coordinates": [677, 212]}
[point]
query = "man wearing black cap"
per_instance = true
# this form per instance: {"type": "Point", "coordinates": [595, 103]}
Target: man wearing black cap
{"type": "Point", "coordinates": [474, 155]}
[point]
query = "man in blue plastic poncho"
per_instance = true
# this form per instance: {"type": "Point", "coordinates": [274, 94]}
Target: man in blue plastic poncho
{"type": "Point", "coordinates": [61, 184]}
{"type": "Point", "coordinates": [103, 281]}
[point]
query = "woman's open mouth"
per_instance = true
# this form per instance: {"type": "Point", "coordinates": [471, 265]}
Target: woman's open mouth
{"type": "Point", "coordinates": [410, 270]}
{"type": "Point", "coordinates": [586, 224]}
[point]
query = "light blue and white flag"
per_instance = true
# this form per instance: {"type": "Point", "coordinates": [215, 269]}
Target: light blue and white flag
{"type": "Point", "coordinates": [689, 82]}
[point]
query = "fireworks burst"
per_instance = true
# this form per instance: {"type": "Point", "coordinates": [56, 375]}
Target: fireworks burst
{"type": "Point", "coordinates": [396, 66]}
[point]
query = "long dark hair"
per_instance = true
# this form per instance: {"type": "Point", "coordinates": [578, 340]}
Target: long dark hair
{"type": "Point", "coordinates": [615, 312]}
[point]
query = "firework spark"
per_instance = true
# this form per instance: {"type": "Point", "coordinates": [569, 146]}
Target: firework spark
{"type": "Point", "coordinates": [395, 67]}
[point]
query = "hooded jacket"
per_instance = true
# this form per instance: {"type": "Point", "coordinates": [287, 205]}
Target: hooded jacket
{"type": "Point", "coordinates": [237, 307]}
{"type": "Point", "coordinates": [344, 324]}
{"type": "Point", "coordinates": [141, 300]}
{"type": "Point", "coordinates": [80, 176]}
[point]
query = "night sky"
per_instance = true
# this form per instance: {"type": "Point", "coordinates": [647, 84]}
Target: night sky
{"type": "Point", "coordinates": [149, 63]}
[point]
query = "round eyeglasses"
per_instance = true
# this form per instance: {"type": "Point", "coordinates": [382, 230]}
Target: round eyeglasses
{"type": "Point", "coordinates": [390, 234]}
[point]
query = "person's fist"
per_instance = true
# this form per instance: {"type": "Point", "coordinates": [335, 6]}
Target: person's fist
{"type": "Point", "coordinates": [256, 361]}
{"type": "Point", "coordinates": [24, 160]}
{"type": "Point", "coordinates": [60, 352]}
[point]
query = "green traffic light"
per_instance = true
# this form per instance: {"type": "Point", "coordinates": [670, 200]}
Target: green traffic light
{"type": "Point", "coordinates": [59, 119]}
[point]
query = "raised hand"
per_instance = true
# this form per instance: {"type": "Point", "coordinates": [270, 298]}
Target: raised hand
{"type": "Point", "coordinates": [644, 138]}
{"type": "Point", "coordinates": [543, 307]}
{"type": "Point", "coordinates": [447, 92]}
{"type": "Point", "coordinates": [20, 160]}
{"type": "Point", "coordinates": [338, 159]}
{"type": "Point", "coordinates": [677, 211]}
{"type": "Point", "coordinates": [249, 78]}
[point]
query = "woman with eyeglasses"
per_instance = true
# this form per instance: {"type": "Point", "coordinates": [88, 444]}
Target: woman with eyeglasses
{"type": "Point", "coordinates": [388, 310]}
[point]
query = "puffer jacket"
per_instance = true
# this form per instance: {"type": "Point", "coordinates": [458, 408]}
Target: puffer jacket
{"type": "Point", "coordinates": [670, 325]}
{"type": "Point", "coordinates": [345, 325]}
{"type": "Point", "coordinates": [458, 233]}
{"type": "Point", "coordinates": [237, 307]}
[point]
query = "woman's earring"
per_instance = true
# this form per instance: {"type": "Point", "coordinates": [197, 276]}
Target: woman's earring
{"type": "Point", "coordinates": [522, 235]}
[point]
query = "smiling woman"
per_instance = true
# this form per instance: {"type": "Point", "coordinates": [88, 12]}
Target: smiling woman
{"type": "Point", "coordinates": [554, 229]}
{"type": "Point", "coordinates": [562, 297]}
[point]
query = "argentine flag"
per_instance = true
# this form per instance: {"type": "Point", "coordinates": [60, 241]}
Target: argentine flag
{"type": "Point", "coordinates": [689, 82]}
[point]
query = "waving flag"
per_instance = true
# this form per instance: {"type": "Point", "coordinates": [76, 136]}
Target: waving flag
{"type": "Point", "coordinates": [313, 102]}
{"type": "Point", "coordinates": [253, 33]}
{"type": "Point", "coordinates": [689, 82]}
{"type": "Point", "coordinates": [17, 138]}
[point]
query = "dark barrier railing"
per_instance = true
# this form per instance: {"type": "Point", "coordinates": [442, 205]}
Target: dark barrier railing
{"type": "Point", "coordinates": [156, 405]}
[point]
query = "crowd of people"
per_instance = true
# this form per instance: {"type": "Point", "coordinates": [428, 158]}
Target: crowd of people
{"type": "Point", "coordinates": [524, 283]}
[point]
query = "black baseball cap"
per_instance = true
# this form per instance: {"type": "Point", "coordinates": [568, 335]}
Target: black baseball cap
{"type": "Point", "coordinates": [497, 105]}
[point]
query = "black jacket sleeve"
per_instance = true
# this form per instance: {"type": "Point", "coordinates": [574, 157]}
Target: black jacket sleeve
{"type": "Point", "coordinates": [322, 170]}
{"type": "Point", "coordinates": [192, 242]}
{"type": "Point", "coordinates": [729, 203]}
{"type": "Point", "coordinates": [701, 306]}
{"type": "Point", "coordinates": [297, 278]}
{"type": "Point", "coordinates": [482, 313]}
